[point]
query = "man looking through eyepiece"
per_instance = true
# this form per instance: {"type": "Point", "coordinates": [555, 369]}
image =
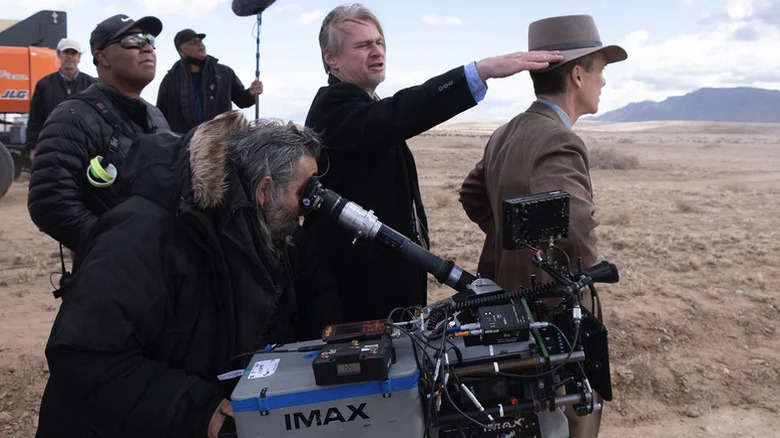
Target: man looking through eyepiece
{"type": "Point", "coordinates": [190, 272]}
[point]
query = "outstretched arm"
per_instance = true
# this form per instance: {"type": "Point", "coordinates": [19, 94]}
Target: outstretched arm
{"type": "Point", "coordinates": [350, 120]}
{"type": "Point", "coordinates": [507, 65]}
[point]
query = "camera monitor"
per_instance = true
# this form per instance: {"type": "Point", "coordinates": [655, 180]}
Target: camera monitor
{"type": "Point", "coordinates": [531, 220]}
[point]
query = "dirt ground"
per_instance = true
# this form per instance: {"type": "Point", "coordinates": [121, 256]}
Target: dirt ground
{"type": "Point", "coordinates": [692, 222]}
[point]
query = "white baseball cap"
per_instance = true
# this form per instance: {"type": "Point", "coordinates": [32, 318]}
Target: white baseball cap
{"type": "Point", "coordinates": [65, 44]}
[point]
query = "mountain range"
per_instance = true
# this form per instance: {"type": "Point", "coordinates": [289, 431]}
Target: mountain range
{"type": "Point", "coordinates": [743, 104]}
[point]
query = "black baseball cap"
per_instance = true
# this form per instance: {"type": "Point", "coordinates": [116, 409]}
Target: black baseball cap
{"type": "Point", "coordinates": [117, 25]}
{"type": "Point", "coordinates": [186, 35]}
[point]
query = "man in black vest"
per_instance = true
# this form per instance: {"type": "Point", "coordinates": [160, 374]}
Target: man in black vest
{"type": "Point", "coordinates": [197, 88]}
{"type": "Point", "coordinates": [54, 88]}
{"type": "Point", "coordinates": [66, 197]}
{"type": "Point", "coordinates": [369, 161]}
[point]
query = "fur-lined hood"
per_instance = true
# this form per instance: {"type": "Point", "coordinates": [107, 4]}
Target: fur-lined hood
{"type": "Point", "coordinates": [209, 154]}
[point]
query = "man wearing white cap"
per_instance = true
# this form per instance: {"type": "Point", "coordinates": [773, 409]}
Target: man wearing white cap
{"type": "Point", "coordinates": [537, 151]}
{"type": "Point", "coordinates": [54, 88]}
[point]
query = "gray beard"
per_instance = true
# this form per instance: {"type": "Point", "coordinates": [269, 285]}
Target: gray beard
{"type": "Point", "coordinates": [275, 226]}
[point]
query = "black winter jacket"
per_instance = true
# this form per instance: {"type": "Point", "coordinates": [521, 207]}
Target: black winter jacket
{"type": "Point", "coordinates": [220, 86]}
{"type": "Point", "coordinates": [49, 92]}
{"type": "Point", "coordinates": [176, 281]}
{"type": "Point", "coordinates": [61, 201]}
{"type": "Point", "coordinates": [371, 164]}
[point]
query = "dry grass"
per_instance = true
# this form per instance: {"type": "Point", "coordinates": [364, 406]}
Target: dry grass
{"type": "Point", "coordinates": [686, 229]}
{"type": "Point", "coordinates": [684, 205]}
{"type": "Point", "coordinates": [693, 322]}
{"type": "Point", "coordinates": [612, 159]}
{"type": "Point", "coordinates": [443, 198]}
{"type": "Point", "coordinates": [620, 217]}
{"type": "Point", "coordinates": [735, 186]}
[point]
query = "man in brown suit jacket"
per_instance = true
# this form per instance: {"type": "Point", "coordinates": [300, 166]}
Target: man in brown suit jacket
{"type": "Point", "coordinates": [537, 151]}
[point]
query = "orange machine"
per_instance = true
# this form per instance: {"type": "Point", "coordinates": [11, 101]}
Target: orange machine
{"type": "Point", "coordinates": [27, 53]}
{"type": "Point", "coordinates": [20, 70]}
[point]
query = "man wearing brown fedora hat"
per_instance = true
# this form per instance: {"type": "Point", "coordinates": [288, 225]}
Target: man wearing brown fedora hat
{"type": "Point", "coordinates": [536, 152]}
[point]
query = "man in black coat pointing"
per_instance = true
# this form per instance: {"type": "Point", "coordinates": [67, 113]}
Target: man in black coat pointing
{"type": "Point", "coordinates": [369, 161]}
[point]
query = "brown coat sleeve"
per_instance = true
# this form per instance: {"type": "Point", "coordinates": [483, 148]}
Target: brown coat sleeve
{"type": "Point", "coordinates": [474, 198]}
{"type": "Point", "coordinates": [564, 165]}
{"type": "Point", "coordinates": [476, 203]}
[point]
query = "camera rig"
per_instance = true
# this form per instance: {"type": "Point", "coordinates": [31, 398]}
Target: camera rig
{"type": "Point", "coordinates": [485, 362]}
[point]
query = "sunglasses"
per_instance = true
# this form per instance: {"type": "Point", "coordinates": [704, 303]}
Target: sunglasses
{"type": "Point", "coordinates": [136, 40]}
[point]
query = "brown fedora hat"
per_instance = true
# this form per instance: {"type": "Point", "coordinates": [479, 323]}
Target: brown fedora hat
{"type": "Point", "coordinates": [573, 35]}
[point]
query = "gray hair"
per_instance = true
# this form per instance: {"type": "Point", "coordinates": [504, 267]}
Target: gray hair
{"type": "Point", "coordinates": [273, 149]}
{"type": "Point", "coordinates": [332, 36]}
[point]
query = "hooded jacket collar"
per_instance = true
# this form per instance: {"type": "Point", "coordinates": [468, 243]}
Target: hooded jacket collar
{"type": "Point", "coordinates": [208, 158]}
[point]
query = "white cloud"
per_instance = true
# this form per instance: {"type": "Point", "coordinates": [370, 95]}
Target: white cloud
{"type": "Point", "coordinates": [438, 20]}
{"type": "Point", "coordinates": [757, 10]}
{"type": "Point", "coordinates": [284, 96]}
{"type": "Point", "coordinates": [188, 8]}
{"type": "Point", "coordinates": [284, 8]}
{"type": "Point", "coordinates": [739, 9]}
{"type": "Point", "coordinates": [31, 6]}
{"type": "Point", "coordinates": [505, 98]}
{"type": "Point", "coordinates": [635, 38]}
{"type": "Point", "coordinates": [732, 52]}
{"type": "Point", "coordinates": [309, 17]}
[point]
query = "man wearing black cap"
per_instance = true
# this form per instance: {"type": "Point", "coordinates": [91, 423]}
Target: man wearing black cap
{"type": "Point", "coordinates": [537, 151]}
{"type": "Point", "coordinates": [67, 192]}
{"type": "Point", "coordinates": [197, 88]}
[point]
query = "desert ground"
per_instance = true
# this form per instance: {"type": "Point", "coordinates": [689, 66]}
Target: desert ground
{"type": "Point", "coordinates": [690, 214]}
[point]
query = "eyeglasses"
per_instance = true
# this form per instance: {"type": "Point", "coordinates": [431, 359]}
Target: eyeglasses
{"type": "Point", "coordinates": [136, 40]}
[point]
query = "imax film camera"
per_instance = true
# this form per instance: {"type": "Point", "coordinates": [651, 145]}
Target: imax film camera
{"type": "Point", "coordinates": [483, 363]}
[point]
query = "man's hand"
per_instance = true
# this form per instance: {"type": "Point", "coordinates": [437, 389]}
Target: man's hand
{"type": "Point", "coordinates": [507, 65]}
{"type": "Point", "coordinates": [224, 410]}
{"type": "Point", "coordinates": [256, 87]}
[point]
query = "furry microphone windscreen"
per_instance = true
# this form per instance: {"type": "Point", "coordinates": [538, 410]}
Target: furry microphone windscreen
{"type": "Point", "coordinates": [245, 8]}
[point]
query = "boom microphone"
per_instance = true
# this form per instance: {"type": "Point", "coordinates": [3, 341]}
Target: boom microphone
{"type": "Point", "coordinates": [365, 225]}
{"type": "Point", "coordinates": [245, 8]}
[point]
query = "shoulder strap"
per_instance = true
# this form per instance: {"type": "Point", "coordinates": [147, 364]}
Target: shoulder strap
{"type": "Point", "coordinates": [107, 115]}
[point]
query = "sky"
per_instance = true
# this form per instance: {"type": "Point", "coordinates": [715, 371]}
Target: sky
{"type": "Point", "coordinates": [674, 46]}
